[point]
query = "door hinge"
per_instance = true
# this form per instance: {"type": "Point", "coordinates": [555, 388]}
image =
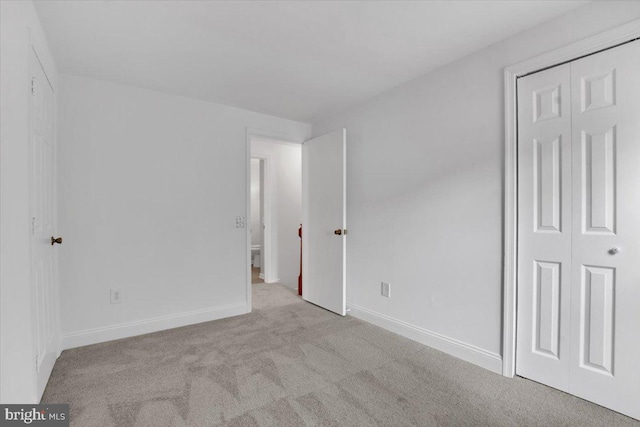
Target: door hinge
{"type": "Point", "coordinates": [37, 365]}
{"type": "Point", "coordinates": [33, 225]}
{"type": "Point", "coordinates": [33, 85]}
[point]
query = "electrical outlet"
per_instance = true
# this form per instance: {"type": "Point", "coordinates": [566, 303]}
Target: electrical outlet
{"type": "Point", "coordinates": [116, 296]}
{"type": "Point", "coordinates": [385, 289]}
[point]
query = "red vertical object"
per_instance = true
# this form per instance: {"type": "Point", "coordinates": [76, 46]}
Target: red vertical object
{"type": "Point", "coordinates": [300, 276]}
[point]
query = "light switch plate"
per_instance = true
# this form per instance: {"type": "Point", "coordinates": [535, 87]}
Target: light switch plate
{"type": "Point", "coordinates": [385, 289]}
{"type": "Point", "coordinates": [116, 296]}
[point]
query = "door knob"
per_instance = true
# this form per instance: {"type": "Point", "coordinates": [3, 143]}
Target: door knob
{"type": "Point", "coordinates": [57, 240]}
{"type": "Point", "coordinates": [338, 232]}
{"type": "Point", "coordinates": [614, 250]}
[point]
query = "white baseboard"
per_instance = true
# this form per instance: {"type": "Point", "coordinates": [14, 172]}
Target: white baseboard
{"type": "Point", "coordinates": [43, 372]}
{"type": "Point", "coordinates": [459, 349]}
{"type": "Point", "coordinates": [131, 329]}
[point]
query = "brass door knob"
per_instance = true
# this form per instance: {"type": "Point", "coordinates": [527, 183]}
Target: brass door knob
{"type": "Point", "coordinates": [338, 232]}
{"type": "Point", "coordinates": [57, 240]}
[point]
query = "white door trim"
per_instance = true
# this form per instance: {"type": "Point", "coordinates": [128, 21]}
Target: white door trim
{"type": "Point", "coordinates": [276, 137]}
{"type": "Point", "coordinates": [605, 40]}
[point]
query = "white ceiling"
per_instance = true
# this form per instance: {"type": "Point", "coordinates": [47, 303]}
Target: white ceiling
{"type": "Point", "coordinates": [300, 60]}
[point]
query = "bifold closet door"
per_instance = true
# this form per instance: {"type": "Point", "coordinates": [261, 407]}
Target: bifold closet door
{"type": "Point", "coordinates": [544, 226]}
{"type": "Point", "coordinates": [605, 294]}
{"type": "Point", "coordinates": [579, 228]}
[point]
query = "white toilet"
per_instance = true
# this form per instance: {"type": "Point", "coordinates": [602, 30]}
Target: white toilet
{"type": "Point", "coordinates": [255, 255]}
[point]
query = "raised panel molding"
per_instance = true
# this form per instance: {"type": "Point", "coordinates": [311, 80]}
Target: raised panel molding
{"type": "Point", "coordinates": [39, 315]}
{"type": "Point", "coordinates": [598, 91]}
{"type": "Point", "coordinates": [597, 314]}
{"type": "Point", "coordinates": [546, 103]}
{"type": "Point", "coordinates": [48, 201]}
{"type": "Point", "coordinates": [599, 182]}
{"type": "Point", "coordinates": [546, 310]}
{"type": "Point", "coordinates": [51, 301]}
{"type": "Point", "coordinates": [546, 180]}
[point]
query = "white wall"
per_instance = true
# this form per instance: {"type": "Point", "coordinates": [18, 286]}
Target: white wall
{"type": "Point", "coordinates": [256, 214]}
{"type": "Point", "coordinates": [19, 29]}
{"type": "Point", "coordinates": [285, 169]}
{"type": "Point", "coordinates": [425, 192]}
{"type": "Point", "coordinates": [150, 187]}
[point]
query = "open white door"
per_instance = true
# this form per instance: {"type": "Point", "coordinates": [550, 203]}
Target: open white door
{"type": "Point", "coordinates": [43, 220]}
{"type": "Point", "coordinates": [324, 221]}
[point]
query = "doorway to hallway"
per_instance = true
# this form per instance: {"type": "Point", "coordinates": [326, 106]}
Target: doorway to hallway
{"type": "Point", "coordinates": [275, 215]}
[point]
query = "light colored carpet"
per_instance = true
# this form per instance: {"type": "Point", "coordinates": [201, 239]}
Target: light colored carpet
{"type": "Point", "coordinates": [255, 275]}
{"type": "Point", "coordinates": [267, 296]}
{"type": "Point", "coordinates": [290, 363]}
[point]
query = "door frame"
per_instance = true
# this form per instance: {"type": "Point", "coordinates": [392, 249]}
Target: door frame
{"type": "Point", "coordinates": [275, 136]}
{"type": "Point", "coordinates": [571, 52]}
